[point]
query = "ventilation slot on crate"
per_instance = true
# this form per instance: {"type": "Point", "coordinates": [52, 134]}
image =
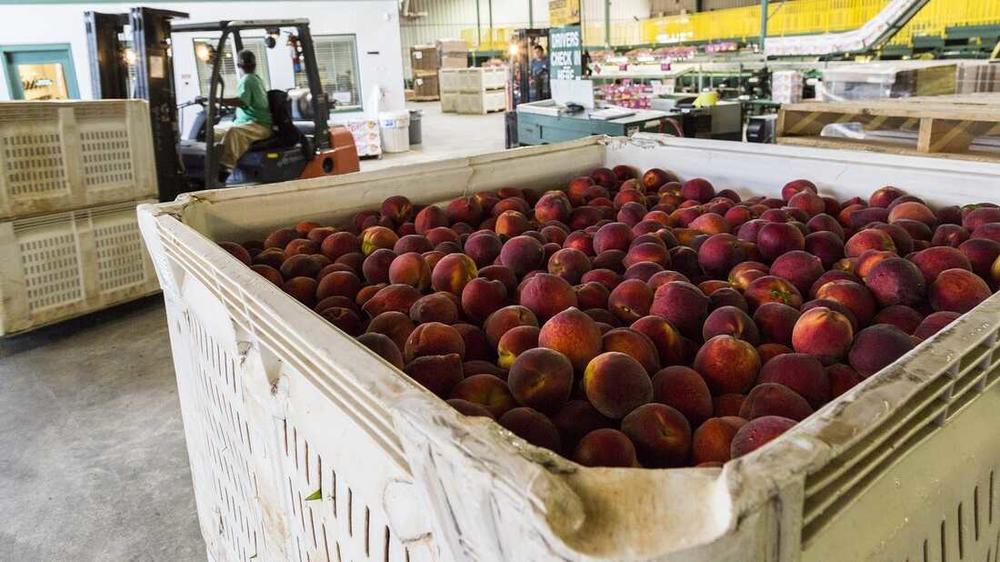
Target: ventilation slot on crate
{"type": "Point", "coordinates": [107, 158]}
{"type": "Point", "coordinates": [120, 255]}
{"type": "Point", "coordinates": [52, 275]}
{"type": "Point", "coordinates": [34, 164]}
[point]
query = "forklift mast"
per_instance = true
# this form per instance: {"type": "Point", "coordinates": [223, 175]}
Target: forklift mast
{"type": "Point", "coordinates": [154, 80]}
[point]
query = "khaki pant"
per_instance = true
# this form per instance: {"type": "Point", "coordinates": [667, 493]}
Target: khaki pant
{"type": "Point", "coordinates": [236, 140]}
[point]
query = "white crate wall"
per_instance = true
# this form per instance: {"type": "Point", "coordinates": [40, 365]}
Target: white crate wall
{"type": "Point", "coordinates": [449, 102]}
{"type": "Point", "coordinates": [477, 90]}
{"type": "Point", "coordinates": [57, 156]}
{"type": "Point", "coordinates": [481, 103]}
{"type": "Point", "coordinates": [56, 266]}
{"type": "Point", "coordinates": [901, 467]}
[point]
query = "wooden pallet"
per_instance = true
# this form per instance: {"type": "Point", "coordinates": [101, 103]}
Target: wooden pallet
{"type": "Point", "coordinates": [945, 125]}
{"type": "Point", "coordinates": [425, 98]}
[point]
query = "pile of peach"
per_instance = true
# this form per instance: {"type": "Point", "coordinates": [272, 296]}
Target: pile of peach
{"type": "Point", "coordinates": [633, 320]}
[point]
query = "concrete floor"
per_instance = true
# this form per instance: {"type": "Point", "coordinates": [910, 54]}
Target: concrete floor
{"type": "Point", "coordinates": [93, 464]}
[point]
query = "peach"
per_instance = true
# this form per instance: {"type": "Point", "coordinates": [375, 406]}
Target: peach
{"type": "Point", "coordinates": [583, 217]}
{"type": "Point", "coordinates": [740, 274]}
{"type": "Point", "coordinates": [624, 173]}
{"type": "Point", "coordinates": [663, 277]}
{"type": "Point", "coordinates": [302, 265]}
{"type": "Point", "coordinates": [682, 304]}
{"type": "Point", "coordinates": [433, 338]}
{"type": "Point", "coordinates": [368, 291]}
{"type": "Point", "coordinates": [432, 258]}
{"type": "Point", "coordinates": [436, 307]}
{"type": "Point", "coordinates": [900, 236]}
{"type": "Point", "coordinates": [487, 391]}
{"type": "Point", "coordinates": [517, 204]}
{"type": "Point", "coordinates": [982, 252]}
{"type": "Point", "coordinates": [775, 322]}
{"type": "Point", "coordinates": [482, 297]}
{"type": "Point", "coordinates": [570, 264]}
{"type": "Point", "coordinates": [375, 237]}
{"type": "Point", "coordinates": [579, 240]}
{"type": "Point", "coordinates": [768, 351]}
{"type": "Point", "coordinates": [376, 266]}
{"type": "Point", "coordinates": [609, 259]}
{"type": "Point", "coordinates": [647, 252]}
{"type": "Point", "coordinates": [727, 296]}
{"type": "Point", "coordinates": [731, 321]}
{"type": "Point", "coordinates": [464, 209]}
{"type": "Point", "coordinates": [281, 238]}
{"type": "Point", "coordinates": [469, 409]}
{"type": "Point", "coordinates": [684, 260]}
{"type": "Point", "coordinates": [900, 316]}
{"type": "Point", "coordinates": [502, 274]}
{"type": "Point", "coordinates": [883, 196]}
{"type": "Point", "coordinates": [522, 254]}
{"type": "Point", "coordinates": [757, 433]}
{"type": "Point", "coordinates": [574, 334]}
{"type": "Point", "coordinates": [825, 223]}
{"type": "Point", "coordinates": [397, 208]}
{"type": "Point", "coordinates": [541, 378]}
{"type": "Point", "coordinates": [383, 347]}
{"type": "Point", "coordinates": [410, 269]}
{"type": "Point", "coordinates": [300, 246]}
{"type": "Point", "coordinates": [876, 347]}
{"type": "Point", "coordinates": [697, 189]}
{"type": "Point", "coordinates": [439, 235]}
{"type": "Point", "coordinates": [949, 215]}
{"type": "Point", "coordinates": [665, 338]}
{"type": "Point", "coordinates": [860, 218]}
{"type": "Point", "coordinates": [776, 238]}
{"type": "Point", "coordinates": [272, 257]}
{"type": "Point", "coordinates": [481, 367]}
{"type": "Point", "coordinates": [412, 243]}
{"type": "Point", "coordinates": [864, 263]}
{"type": "Point", "coordinates": [952, 235]}
{"type": "Point", "coordinates": [710, 223]}
{"type": "Point", "coordinates": [728, 364]}
{"type": "Point", "coordinates": [661, 435]}
{"type": "Point", "coordinates": [936, 259]}
{"type": "Point", "coordinates": [515, 342]}
{"type": "Point", "coordinates": [629, 212]}
{"type": "Point", "coordinates": [654, 178]}
{"type": "Point", "coordinates": [800, 372]}
{"type": "Point", "coordinates": [577, 188]}
{"type": "Point", "coordinates": [933, 323]}
{"type": "Point", "coordinates": [719, 253]}
{"type": "Point", "coordinates": [634, 344]}
{"type": "Point", "coordinates": [823, 333]}
{"type": "Point", "coordinates": [430, 217]}
{"type": "Point", "coordinates": [592, 295]}
{"type": "Point", "coordinates": [612, 236]}
{"type": "Point", "coordinates": [795, 187]}
{"type": "Point", "coordinates": [474, 338]}
{"type": "Point", "coordinates": [854, 296]}
{"type": "Point", "coordinates": [269, 273]}
{"type": "Point", "coordinates": [976, 216]}
{"type": "Point", "coordinates": [799, 268]}
{"type": "Point", "coordinates": [452, 273]}
{"type": "Point", "coordinates": [917, 230]}
{"type": "Point", "coordinates": [957, 290]}
{"type": "Point", "coordinates": [393, 297]}
{"type": "Point", "coordinates": [832, 275]}
{"type": "Point", "coordinates": [869, 239]}
{"type": "Point", "coordinates": [896, 281]}
{"type": "Point", "coordinates": [727, 404]}
{"type": "Point", "coordinates": [511, 223]}
{"type": "Point", "coordinates": [809, 202]}
{"type": "Point", "coordinates": [437, 373]}
{"type": "Point", "coordinates": [338, 283]}
{"type": "Point", "coordinates": [912, 210]}
{"type": "Point", "coordinates": [630, 300]}
{"type": "Point", "coordinates": [393, 324]}
{"type": "Point", "coordinates": [553, 206]}
{"type": "Point", "coordinates": [547, 295]}
{"type": "Point", "coordinates": [344, 318]}
{"type": "Point", "coordinates": [711, 441]}
{"type": "Point", "coordinates": [770, 288]}
{"type": "Point", "coordinates": [577, 418]}
{"type": "Point", "coordinates": [604, 177]}
{"type": "Point", "coordinates": [605, 447]}
{"type": "Point", "coordinates": [302, 289]}
{"type": "Point", "coordinates": [842, 378]}
{"type": "Point", "coordinates": [505, 319]}
{"type": "Point", "coordinates": [710, 286]}
{"type": "Point", "coordinates": [532, 426]}
{"type": "Point", "coordinates": [684, 389]}
{"type": "Point", "coordinates": [616, 384]}
{"type": "Point", "coordinates": [772, 399]}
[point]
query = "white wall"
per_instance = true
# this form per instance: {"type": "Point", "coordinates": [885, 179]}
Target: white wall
{"type": "Point", "coordinates": [375, 22]}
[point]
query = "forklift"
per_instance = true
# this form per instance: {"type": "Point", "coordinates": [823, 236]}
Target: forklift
{"type": "Point", "coordinates": [296, 150]}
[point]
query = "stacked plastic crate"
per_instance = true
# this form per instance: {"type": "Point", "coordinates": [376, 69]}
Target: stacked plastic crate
{"type": "Point", "coordinates": [71, 175]}
{"type": "Point", "coordinates": [473, 90]}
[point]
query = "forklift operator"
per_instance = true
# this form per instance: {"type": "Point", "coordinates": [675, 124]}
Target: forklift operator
{"type": "Point", "coordinates": [253, 116]}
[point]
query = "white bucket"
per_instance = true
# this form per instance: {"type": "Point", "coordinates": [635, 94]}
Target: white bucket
{"type": "Point", "coordinates": [395, 129]}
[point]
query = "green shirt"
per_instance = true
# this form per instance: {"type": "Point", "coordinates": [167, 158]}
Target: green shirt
{"type": "Point", "coordinates": [252, 92]}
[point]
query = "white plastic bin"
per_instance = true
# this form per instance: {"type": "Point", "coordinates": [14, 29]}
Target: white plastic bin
{"type": "Point", "coordinates": [60, 155]}
{"type": "Point", "coordinates": [57, 266]}
{"type": "Point", "coordinates": [305, 445]}
{"type": "Point", "coordinates": [394, 126]}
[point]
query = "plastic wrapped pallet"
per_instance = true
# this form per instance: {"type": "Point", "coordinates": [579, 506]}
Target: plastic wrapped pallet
{"type": "Point", "coordinates": [786, 86]}
{"type": "Point", "coordinates": [338, 455]}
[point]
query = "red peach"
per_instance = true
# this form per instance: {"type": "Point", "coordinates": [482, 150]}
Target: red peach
{"type": "Point", "coordinates": [757, 433]}
{"type": "Point", "coordinates": [634, 344]}
{"type": "Point", "coordinates": [728, 364]}
{"type": "Point", "coordinates": [605, 447]}
{"type": "Point", "coordinates": [876, 347]}
{"type": "Point", "coordinates": [957, 290]}
{"type": "Point", "coordinates": [731, 321]}
{"type": "Point", "coordinates": [682, 304]}
{"type": "Point", "coordinates": [616, 384]}
{"type": "Point", "coordinates": [711, 441]}
{"type": "Point", "coordinates": [437, 373]}
{"type": "Point", "coordinates": [770, 288]}
{"type": "Point", "coordinates": [684, 389]}
{"type": "Point", "coordinates": [857, 298]}
{"type": "Point", "coordinates": [772, 399]}
{"type": "Point", "coordinates": [661, 435]}
{"type": "Point", "coordinates": [775, 238]}
{"type": "Point", "coordinates": [799, 268]}
{"type": "Point", "coordinates": [934, 323]}
{"type": "Point", "coordinates": [664, 336]}
{"type": "Point", "coordinates": [823, 333]}
{"type": "Point", "coordinates": [776, 322]}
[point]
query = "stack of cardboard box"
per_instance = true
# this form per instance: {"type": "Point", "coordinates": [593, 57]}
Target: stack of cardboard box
{"type": "Point", "coordinates": [425, 65]}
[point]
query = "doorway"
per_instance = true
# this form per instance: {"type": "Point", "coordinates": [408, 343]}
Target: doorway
{"type": "Point", "coordinates": [40, 72]}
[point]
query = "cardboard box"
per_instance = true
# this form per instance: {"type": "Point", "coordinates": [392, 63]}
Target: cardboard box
{"type": "Point", "coordinates": [452, 46]}
{"type": "Point", "coordinates": [425, 85]}
{"type": "Point", "coordinates": [424, 57]}
{"type": "Point", "coordinates": [455, 60]}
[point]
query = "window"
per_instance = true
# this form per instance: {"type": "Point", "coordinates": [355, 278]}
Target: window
{"type": "Point", "coordinates": [39, 72]}
{"type": "Point", "coordinates": [230, 77]}
{"type": "Point", "coordinates": [337, 57]}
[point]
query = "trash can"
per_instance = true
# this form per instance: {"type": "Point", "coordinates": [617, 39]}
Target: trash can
{"type": "Point", "coordinates": [394, 126]}
{"type": "Point", "coordinates": [415, 130]}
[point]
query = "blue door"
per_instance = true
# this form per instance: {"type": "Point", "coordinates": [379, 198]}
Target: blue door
{"type": "Point", "coordinates": [39, 72]}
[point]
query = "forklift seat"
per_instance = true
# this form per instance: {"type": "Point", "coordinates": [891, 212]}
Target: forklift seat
{"type": "Point", "coordinates": [284, 135]}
